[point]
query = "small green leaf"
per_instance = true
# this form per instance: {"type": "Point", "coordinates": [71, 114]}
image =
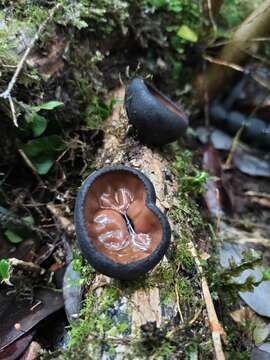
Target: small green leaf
{"type": "Point", "coordinates": [36, 123]}
{"type": "Point", "coordinates": [45, 145]}
{"type": "Point", "coordinates": [50, 105]}
{"type": "Point", "coordinates": [4, 270]}
{"type": "Point", "coordinates": [28, 220]}
{"type": "Point", "coordinates": [4, 210]}
{"type": "Point", "coordinates": [113, 331]}
{"type": "Point", "coordinates": [77, 264]}
{"type": "Point", "coordinates": [186, 33]}
{"type": "Point", "coordinates": [13, 237]}
{"type": "Point", "coordinates": [81, 24]}
{"type": "Point", "coordinates": [96, 112]}
{"type": "Point", "coordinates": [43, 164]}
{"type": "Point", "coordinates": [43, 151]}
{"type": "Point", "coordinates": [266, 275]}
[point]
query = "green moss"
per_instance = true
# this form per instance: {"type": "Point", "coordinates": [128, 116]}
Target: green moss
{"type": "Point", "coordinates": [233, 12]}
{"type": "Point", "coordinates": [107, 14]}
{"type": "Point", "coordinates": [96, 112]}
{"type": "Point", "coordinates": [166, 296]}
{"type": "Point", "coordinates": [30, 12]}
{"type": "Point", "coordinates": [27, 17]}
{"type": "Point", "coordinates": [185, 288]}
{"type": "Point", "coordinates": [12, 32]}
{"type": "Point", "coordinates": [95, 320]}
{"type": "Point", "coordinates": [164, 349]}
{"type": "Point", "coordinates": [184, 13]}
{"type": "Point", "coordinates": [87, 272]}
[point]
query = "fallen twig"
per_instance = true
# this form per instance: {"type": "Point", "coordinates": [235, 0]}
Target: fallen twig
{"type": "Point", "coordinates": [261, 201]}
{"type": "Point", "coordinates": [227, 42]}
{"type": "Point", "coordinates": [13, 111]}
{"type": "Point", "coordinates": [206, 102]}
{"type": "Point", "coordinates": [239, 68]}
{"type": "Point", "coordinates": [215, 327]}
{"type": "Point", "coordinates": [262, 198]}
{"type": "Point", "coordinates": [7, 93]}
{"type": "Point", "coordinates": [210, 14]}
{"type": "Point", "coordinates": [234, 146]}
{"type": "Point", "coordinates": [32, 167]}
{"type": "Point", "coordinates": [258, 194]}
{"type": "Point", "coordinates": [178, 303]}
{"type": "Point", "coordinates": [225, 63]}
{"type": "Point", "coordinates": [64, 222]}
{"type": "Point", "coordinates": [26, 266]}
{"type": "Point", "coordinates": [195, 317]}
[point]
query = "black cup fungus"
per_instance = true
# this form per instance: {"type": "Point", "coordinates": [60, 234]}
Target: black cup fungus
{"type": "Point", "coordinates": [119, 229]}
{"type": "Point", "coordinates": [157, 119]}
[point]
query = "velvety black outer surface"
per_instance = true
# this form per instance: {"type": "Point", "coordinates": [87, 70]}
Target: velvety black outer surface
{"type": "Point", "coordinates": [156, 123]}
{"type": "Point", "coordinates": [102, 263]}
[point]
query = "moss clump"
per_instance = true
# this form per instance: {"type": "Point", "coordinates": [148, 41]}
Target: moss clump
{"type": "Point", "coordinates": [12, 34]}
{"type": "Point", "coordinates": [104, 15]}
{"type": "Point", "coordinates": [95, 321]}
{"type": "Point", "coordinates": [31, 13]}
{"type": "Point", "coordinates": [86, 271]}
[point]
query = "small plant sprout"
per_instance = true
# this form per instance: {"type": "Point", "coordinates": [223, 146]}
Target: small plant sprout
{"type": "Point", "coordinates": [5, 272]}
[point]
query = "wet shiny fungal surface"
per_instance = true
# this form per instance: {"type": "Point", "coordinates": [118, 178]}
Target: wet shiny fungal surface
{"type": "Point", "coordinates": [119, 223]}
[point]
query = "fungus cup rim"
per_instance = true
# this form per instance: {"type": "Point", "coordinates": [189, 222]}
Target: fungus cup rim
{"type": "Point", "coordinates": [101, 262]}
{"type": "Point", "coordinates": [150, 87]}
{"type": "Point", "coordinates": [157, 119]}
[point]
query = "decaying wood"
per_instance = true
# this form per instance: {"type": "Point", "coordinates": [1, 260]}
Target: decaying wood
{"type": "Point", "coordinates": [144, 304]}
{"type": "Point", "coordinates": [146, 307]}
{"type": "Point", "coordinates": [236, 50]}
{"type": "Point", "coordinates": [33, 351]}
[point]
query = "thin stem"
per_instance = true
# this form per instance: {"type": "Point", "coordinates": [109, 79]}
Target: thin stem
{"type": "Point", "coordinates": [7, 93]}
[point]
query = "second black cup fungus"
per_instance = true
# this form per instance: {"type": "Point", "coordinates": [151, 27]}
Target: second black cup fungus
{"type": "Point", "coordinates": [119, 229]}
{"type": "Point", "coordinates": [156, 118]}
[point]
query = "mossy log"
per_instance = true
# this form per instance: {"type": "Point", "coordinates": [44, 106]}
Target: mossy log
{"type": "Point", "coordinates": [162, 315]}
{"type": "Point", "coordinates": [143, 305]}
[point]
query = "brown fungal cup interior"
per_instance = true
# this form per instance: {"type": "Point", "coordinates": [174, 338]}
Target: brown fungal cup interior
{"type": "Point", "coordinates": [119, 223]}
{"type": "Point", "coordinates": [165, 101]}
